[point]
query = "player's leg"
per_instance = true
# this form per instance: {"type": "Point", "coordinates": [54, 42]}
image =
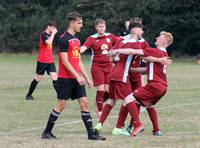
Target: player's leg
{"type": "Point", "coordinates": [106, 86]}
{"type": "Point", "coordinates": [65, 92]}
{"type": "Point", "coordinates": [98, 78]}
{"type": "Point", "coordinates": [40, 69]}
{"type": "Point", "coordinates": [132, 109]}
{"type": "Point", "coordinates": [60, 105]}
{"type": "Point", "coordinates": [154, 119]}
{"type": "Point", "coordinates": [52, 71]}
{"type": "Point", "coordinates": [99, 99]}
{"type": "Point", "coordinates": [85, 114]}
{"type": "Point", "coordinates": [119, 128]}
{"type": "Point", "coordinates": [106, 111]}
{"type": "Point", "coordinates": [34, 83]}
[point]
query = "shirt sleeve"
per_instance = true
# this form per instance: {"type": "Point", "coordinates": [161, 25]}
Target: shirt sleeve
{"type": "Point", "coordinates": [154, 52]}
{"type": "Point", "coordinates": [115, 39]}
{"type": "Point", "coordinates": [88, 42]}
{"type": "Point", "coordinates": [44, 37]}
{"type": "Point", "coordinates": [63, 45]}
{"type": "Point", "coordinates": [145, 45]}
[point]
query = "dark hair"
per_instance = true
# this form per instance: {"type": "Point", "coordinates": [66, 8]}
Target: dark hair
{"type": "Point", "coordinates": [99, 21]}
{"type": "Point", "coordinates": [135, 24]}
{"type": "Point", "coordinates": [51, 23]}
{"type": "Point", "coordinates": [136, 19]}
{"type": "Point", "coordinates": [73, 16]}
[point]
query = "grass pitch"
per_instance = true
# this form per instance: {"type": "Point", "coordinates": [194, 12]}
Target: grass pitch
{"type": "Point", "coordinates": [22, 121]}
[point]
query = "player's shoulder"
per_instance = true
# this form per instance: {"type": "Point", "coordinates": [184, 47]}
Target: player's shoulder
{"type": "Point", "coordinates": [44, 33]}
{"type": "Point", "coordinates": [94, 36]}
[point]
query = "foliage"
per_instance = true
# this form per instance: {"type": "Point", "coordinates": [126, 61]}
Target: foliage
{"type": "Point", "coordinates": [23, 20]}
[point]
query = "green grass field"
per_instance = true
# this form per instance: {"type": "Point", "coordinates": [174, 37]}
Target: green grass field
{"type": "Point", "coordinates": [21, 121]}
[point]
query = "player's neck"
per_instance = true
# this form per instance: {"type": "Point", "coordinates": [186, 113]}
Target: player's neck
{"type": "Point", "coordinates": [161, 46]}
{"type": "Point", "coordinates": [71, 31]}
{"type": "Point", "coordinates": [100, 34]}
{"type": "Point", "coordinates": [134, 36]}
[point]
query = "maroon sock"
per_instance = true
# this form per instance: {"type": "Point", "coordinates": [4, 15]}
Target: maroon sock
{"type": "Point", "coordinates": [154, 118]}
{"type": "Point", "coordinates": [132, 109]}
{"type": "Point", "coordinates": [122, 116]}
{"type": "Point", "coordinates": [106, 96]}
{"type": "Point", "coordinates": [138, 108]}
{"type": "Point", "coordinates": [99, 100]}
{"type": "Point", "coordinates": [106, 110]}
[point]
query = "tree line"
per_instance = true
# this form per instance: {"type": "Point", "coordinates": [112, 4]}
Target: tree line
{"type": "Point", "coordinates": [23, 20]}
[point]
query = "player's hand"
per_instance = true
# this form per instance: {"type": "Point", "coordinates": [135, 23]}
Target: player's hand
{"type": "Point", "coordinates": [54, 30]}
{"type": "Point", "coordinates": [112, 52]}
{"type": "Point", "coordinates": [80, 80]}
{"type": "Point", "coordinates": [90, 83]}
{"type": "Point", "coordinates": [166, 61]}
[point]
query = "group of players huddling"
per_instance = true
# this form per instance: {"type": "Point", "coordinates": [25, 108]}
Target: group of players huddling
{"type": "Point", "coordinates": [116, 74]}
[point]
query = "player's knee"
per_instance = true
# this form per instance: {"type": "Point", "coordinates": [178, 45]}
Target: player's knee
{"type": "Point", "coordinates": [38, 77]}
{"type": "Point", "coordinates": [129, 98]}
{"type": "Point", "coordinates": [60, 106]}
{"type": "Point", "coordinates": [111, 102]}
{"type": "Point", "coordinates": [100, 87]}
{"type": "Point", "coordinates": [84, 105]}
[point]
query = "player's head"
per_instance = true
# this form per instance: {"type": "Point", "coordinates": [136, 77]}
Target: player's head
{"type": "Point", "coordinates": [136, 28]}
{"type": "Point", "coordinates": [164, 39]}
{"type": "Point", "coordinates": [51, 24]}
{"type": "Point", "coordinates": [75, 21]}
{"type": "Point", "coordinates": [100, 25]}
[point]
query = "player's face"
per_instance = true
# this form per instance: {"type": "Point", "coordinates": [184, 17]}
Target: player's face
{"type": "Point", "coordinates": [77, 25]}
{"type": "Point", "coordinates": [160, 40]}
{"type": "Point", "coordinates": [101, 28]}
{"type": "Point", "coordinates": [137, 31]}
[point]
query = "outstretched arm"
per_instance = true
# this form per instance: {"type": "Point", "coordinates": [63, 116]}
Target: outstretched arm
{"type": "Point", "coordinates": [163, 60]}
{"type": "Point", "coordinates": [83, 49]}
{"type": "Point", "coordinates": [138, 70]}
{"type": "Point", "coordinates": [127, 51]}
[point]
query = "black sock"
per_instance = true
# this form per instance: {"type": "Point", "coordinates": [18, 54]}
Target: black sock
{"type": "Point", "coordinates": [106, 96]}
{"type": "Point", "coordinates": [87, 119]}
{"type": "Point", "coordinates": [55, 85]}
{"type": "Point", "coordinates": [52, 118]}
{"type": "Point", "coordinates": [32, 87]}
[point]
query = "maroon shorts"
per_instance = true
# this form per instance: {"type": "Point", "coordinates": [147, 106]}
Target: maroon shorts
{"type": "Point", "coordinates": [100, 76]}
{"type": "Point", "coordinates": [119, 90]}
{"type": "Point", "coordinates": [150, 93]}
{"type": "Point", "coordinates": [135, 84]}
{"type": "Point", "coordinates": [135, 80]}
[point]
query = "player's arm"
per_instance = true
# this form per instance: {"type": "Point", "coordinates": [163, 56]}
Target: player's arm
{"type": "Point", "coordinates": [162, 60]}
{"type": "Point", "coordinates": [138, 70]}
{"type": "Point", "coordinates": [84, 73]}
{"type": "Point", "coordinates": [83, 49]}
{"type": "Point", "coordinates": [126, 51]}
{"type": "Point", "coordinates": [49, 40]}
{"type": "Point", "coordinates": [87, 44]}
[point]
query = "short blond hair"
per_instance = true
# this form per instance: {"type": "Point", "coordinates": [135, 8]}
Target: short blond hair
{"type": "Point", "coordinates": [168, 36]}
{"type": "Point", "coordinates": [99, 21]}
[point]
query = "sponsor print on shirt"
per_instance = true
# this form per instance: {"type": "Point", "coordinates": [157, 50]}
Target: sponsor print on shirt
{"type": "Point", "coordinates": [75, 52]}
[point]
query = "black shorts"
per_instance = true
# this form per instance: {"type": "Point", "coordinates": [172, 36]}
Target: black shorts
{"type": "Point", "coordinates": [69, 88]}
{"type": "Point", "coordinates": [42, 67]}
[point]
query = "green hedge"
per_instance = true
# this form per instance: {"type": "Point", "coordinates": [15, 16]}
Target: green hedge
{"type": "Point", "coordinates": [23, 20]}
